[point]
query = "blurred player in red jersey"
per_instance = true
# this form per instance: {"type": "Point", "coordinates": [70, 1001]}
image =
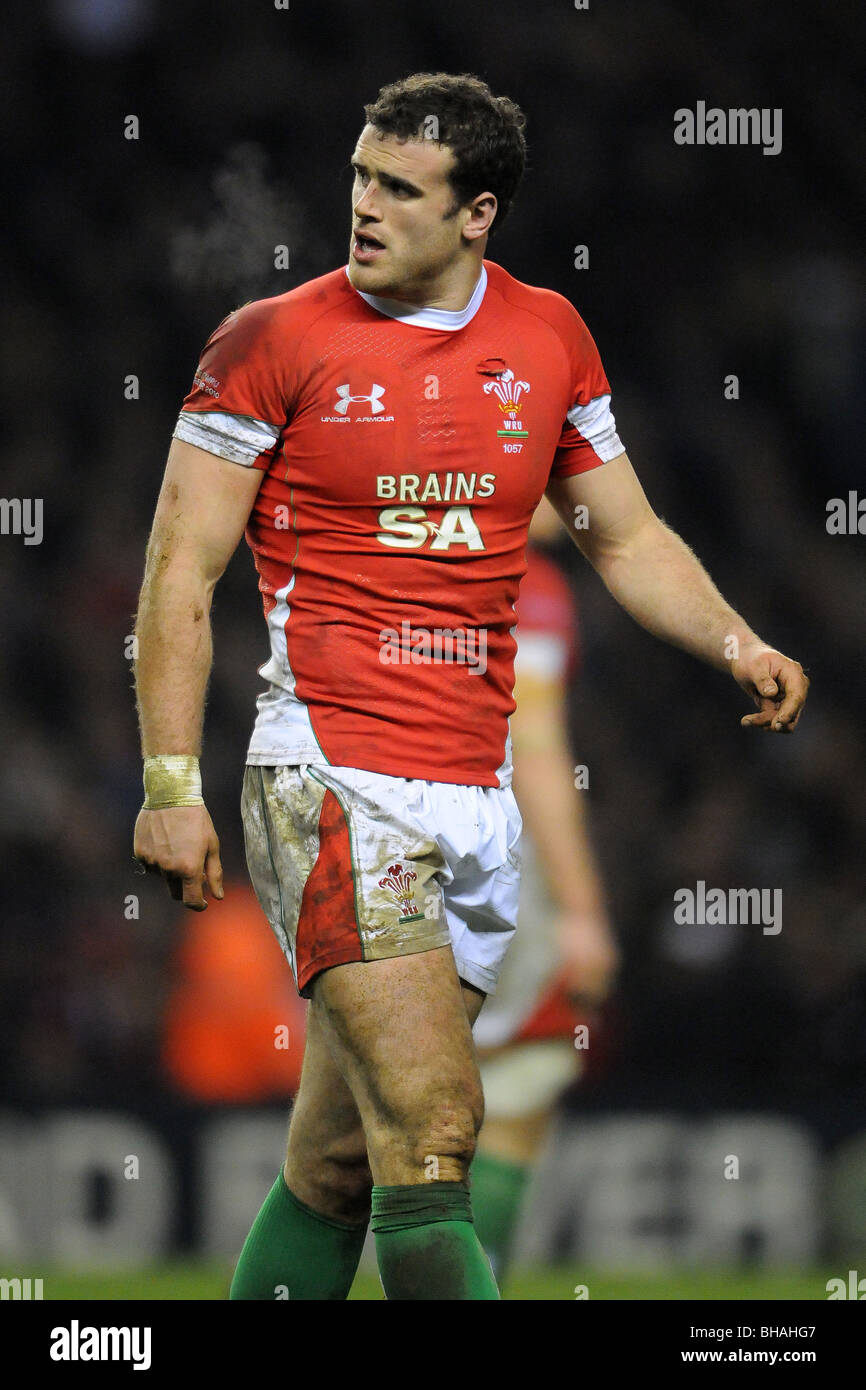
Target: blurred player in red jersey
{"type": "Point", "coordinates": [383, 435]}
{"type": "Point", "coordinates": [563, 960]}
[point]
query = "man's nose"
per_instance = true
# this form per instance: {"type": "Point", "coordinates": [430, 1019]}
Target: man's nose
{"type": "Point", "coordinates": [365, 206]}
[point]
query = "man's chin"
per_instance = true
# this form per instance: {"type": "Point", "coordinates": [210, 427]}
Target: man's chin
{"type": "Point", "coordinates": [374, 279]}
{"type": "Point", "coordinates": [371, 278]}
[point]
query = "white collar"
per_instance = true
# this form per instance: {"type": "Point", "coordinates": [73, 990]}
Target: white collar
{"type": "Point", "coordinates": [422, 316]}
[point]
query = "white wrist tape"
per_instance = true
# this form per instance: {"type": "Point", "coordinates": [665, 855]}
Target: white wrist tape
{"type": "Point", "coordinates": [171, 779]}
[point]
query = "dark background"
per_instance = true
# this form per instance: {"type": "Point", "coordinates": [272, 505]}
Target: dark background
{"type": "Point", "coordinates": [121, 256]}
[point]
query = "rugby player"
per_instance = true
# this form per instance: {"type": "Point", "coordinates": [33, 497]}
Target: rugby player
{"type": "Point", "coordinates": [383, 434]}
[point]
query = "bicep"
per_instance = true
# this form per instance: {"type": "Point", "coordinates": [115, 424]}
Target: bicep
{"type": "Point", "coordinates": [615, 507]}
{"type": "Point", "coordinates": [204, 504]}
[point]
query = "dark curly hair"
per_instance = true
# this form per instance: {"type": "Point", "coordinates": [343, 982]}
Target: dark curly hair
{"type": "Point", "coordinates": [484, 132]}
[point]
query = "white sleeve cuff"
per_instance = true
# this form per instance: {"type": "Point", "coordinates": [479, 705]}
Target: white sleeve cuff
{"type": "Point", "coordinates": [238, 438]}
{"type": "Point", "coordinates": [596, 424]}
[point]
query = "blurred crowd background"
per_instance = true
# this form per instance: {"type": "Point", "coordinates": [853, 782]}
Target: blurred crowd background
{"type": "Point", "coordinates": [121, 255]}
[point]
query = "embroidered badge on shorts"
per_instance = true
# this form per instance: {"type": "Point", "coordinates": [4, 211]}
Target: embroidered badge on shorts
{"type": "Point", "coordinates": [399, 882]}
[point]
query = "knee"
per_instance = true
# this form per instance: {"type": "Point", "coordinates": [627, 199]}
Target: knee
{"type": "Point", "coordinates": [445, 1147]}
{"type": "Point", "coordinates": [435, 1139]}
{"type": "Point", "coordinates": [334, 1180]}
{"type": "Point", "coordinates": [348, 1182]}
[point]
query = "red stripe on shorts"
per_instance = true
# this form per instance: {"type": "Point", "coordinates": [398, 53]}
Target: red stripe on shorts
{"type": "Point", "coordinates": [327, 928]}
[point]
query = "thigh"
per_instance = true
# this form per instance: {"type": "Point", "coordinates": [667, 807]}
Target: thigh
{"type": "Point", "coordinates": [400, 1032]}
{"type": "Point", "coordinates": [324, 1109]}
{"type": "Point", "coordinates": [326, 1160]}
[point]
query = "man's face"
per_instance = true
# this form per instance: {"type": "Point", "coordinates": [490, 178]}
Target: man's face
{"type": "Point", "coordinates": [403, 239]}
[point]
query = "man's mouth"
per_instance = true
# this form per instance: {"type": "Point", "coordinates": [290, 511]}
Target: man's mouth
{"type": "Point", "coordinates": [366, 248]}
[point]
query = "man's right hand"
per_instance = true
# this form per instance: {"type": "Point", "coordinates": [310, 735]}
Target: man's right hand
{"type": "Point", "coordinates": [589, 957]}
{"type": "Point", "coordinates": [182, 845]}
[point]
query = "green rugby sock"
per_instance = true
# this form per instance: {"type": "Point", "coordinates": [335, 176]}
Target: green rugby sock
{"type": "Point", "coordinates": [498, 1188]}
{"type": "Point", "coordinates": [296, 1253]}
{"type": "Point", "coordinates": [426, 1243]}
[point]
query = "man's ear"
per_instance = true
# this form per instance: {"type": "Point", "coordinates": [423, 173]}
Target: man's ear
{"type": "Point", "coordinates": [480, 215]}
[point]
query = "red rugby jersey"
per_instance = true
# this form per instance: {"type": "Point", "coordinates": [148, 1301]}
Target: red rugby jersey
{"type": "Point", "coordinates": [403, 451]}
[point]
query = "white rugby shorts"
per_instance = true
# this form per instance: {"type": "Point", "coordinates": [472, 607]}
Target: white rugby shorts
{"type": "Point", "coordinates": [351, 865]}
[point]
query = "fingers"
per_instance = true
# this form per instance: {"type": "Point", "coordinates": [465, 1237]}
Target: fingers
{"type": "Point", "coordinates": [590, 960]}
{"type": "Point", "coordinates": [764, 721]}
{"type": "Point", "coordinates": [213, 869]}
{"type": "Point", "coordinates": [182, 845]}
{"type": "Point", "coordinates": [186, 889]}
{"type": "Point", "coordinates": [771, 722]}
{"type": "Point", "coordinates": [776, 718]}
{"type": "Point", "coordinates": [588, 992]}
{"type": "Point", "coordinates": [189, 888]}
{"type": "Point", "coordinates": [795, 696]}
{"type": "Point", "coordinates": [193, 894]}
{"type": "Point", "coordinates": [779, 698]}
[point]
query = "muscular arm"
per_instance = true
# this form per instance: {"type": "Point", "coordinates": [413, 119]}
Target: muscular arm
{"type": "Point", "coordinates": [201, 513]}
{"type": "Point", "coordinates": [661, 583]}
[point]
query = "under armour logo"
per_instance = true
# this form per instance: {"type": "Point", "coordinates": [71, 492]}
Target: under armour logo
{"type": "Point", "coordinates": [344, 393]}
